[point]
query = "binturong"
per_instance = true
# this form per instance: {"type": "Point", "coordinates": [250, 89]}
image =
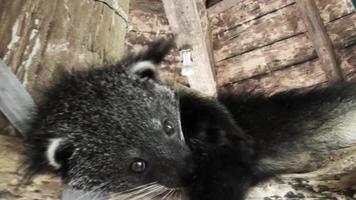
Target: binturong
{"type": "Point", "coordinates": [112, 130]}
{"type": "Point", "coordinates": [240, 140]}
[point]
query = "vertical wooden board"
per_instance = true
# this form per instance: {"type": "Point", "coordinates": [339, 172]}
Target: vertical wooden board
{"type": "Point", "coordinates": [242, 12]}
{"type": "Point", "coordinates": [322, 43]}
{"type": "Point", "coordinates": [270, 58]}
{"type": "Point", "coordinates": [277, 26]}
{"type": "Point", "coordinates": [188, 19]}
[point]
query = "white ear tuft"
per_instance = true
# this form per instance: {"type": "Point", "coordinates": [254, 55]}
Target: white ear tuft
{"type": "Point", "coordinates": [51, 152]}
{"type": "Point", "coordinates": [144, 69]}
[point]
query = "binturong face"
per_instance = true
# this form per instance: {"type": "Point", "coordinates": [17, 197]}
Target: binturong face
{"type": "Point", "coordinates": [113, 130]}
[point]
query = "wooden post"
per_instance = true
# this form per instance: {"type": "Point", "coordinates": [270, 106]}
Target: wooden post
{"type": "Point", "coordinates": [188, 20]}
{"type": "Point", "coordinates": [321, 41]}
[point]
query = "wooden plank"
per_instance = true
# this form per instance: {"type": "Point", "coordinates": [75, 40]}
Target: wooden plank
{"type": "Point", "coordinates": [188, 19]}
{"type": "Point", "coordinates": [277, 56]}
{"type": "Point", "coordinates": [348, 64]}
{"type": "Point", "coordinates": [284, 53]}
{"type": "Point", "coordinates": [321, 41]}
{"type": "Point", "coordinates": [242, 12]}
{"type": "Point", "coordinates": [236, 32]}
{"type": "Point", "coordinates": [15, 102]}
{"type": "Point", "coordinates": [342, 32]}
{"type": "Point", "coordinates": [331, 9]}
{"type": "Point", "coordinates": [264, 31]}
{"type": "Point", "coordinates": [305, 75]}
{"type": "Point", "coordinates": [239, 12]}
{"type": "Point", "coordinates": [222, 6]}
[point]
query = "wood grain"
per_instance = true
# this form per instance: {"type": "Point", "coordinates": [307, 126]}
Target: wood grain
{"type": "Point", "coordinates": [188, 20]}
{"type": "Point", "coordinates": [318, 35]}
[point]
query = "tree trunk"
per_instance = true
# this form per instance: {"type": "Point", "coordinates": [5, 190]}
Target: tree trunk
{"type": "Point", "coordinates": [37, 38]}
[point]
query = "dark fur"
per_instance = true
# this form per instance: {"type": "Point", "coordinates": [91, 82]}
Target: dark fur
{"type": "Point", "coordinates": [108, 117]}
{"type": "Point", "coordinates": [281, 127]}
{"type": "Point", "coordinates": [237, 140]}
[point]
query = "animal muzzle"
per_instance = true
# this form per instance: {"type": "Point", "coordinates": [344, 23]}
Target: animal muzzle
{"type": "Point", "coordinates": [72, 194]}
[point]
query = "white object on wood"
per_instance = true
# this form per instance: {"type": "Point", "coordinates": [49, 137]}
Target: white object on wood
{"type": "Point", "coordinates": [188, 20]}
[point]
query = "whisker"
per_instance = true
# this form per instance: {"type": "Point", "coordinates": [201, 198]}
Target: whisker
{"type": "Point", "coordinates": [135, 191]}
{"type": "Point", "coordinates": [147, 194]}
{"type": "Point", "coordinates": [166, 195]}
{"type": "Point", "coordinates": [93, 190]}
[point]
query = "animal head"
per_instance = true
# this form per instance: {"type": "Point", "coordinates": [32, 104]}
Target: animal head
{"type": "Point", "coordinates": [115, 127]}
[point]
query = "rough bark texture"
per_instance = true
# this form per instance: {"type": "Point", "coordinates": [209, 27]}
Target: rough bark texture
{"type": "Point", "coordinates": [39, 37]}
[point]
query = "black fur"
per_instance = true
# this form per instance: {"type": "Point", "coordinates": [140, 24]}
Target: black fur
{"type": "Point", "coordinates": [105, 117]}
{"type": "Point", "coordinates": [108, 118]}
{"type": "Point", "coordinates": [263, 136]}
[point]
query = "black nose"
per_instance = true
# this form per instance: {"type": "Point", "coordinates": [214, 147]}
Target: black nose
{"type": "Point", "coordinates": [188, 171]}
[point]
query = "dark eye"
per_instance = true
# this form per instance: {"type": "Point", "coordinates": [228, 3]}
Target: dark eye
{"type": "Point", "coordinates": [138, 166]}
{"type": "Point", "coordinates": [168, 128]}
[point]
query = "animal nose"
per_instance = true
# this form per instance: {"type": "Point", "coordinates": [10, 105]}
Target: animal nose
{"type": "Point", "coordinates": [188, 172]}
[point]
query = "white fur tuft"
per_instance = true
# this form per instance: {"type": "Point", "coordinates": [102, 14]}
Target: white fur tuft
{"type": "Point", "coordinates": [51, 152]}
{"type": "Point", "coordinates": [142, 66]}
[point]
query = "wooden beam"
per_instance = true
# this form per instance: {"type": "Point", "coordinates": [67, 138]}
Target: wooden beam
{"type": "Point", "coordinates": [188, 20]}
{"type": "Point", "coordinates": [321, 41]}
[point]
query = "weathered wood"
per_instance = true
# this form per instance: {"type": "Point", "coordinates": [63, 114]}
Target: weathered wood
{"type": "Point", "coordinates": [270, 58]}
{"type": "Point", "coordinates": [255, 34]}
{"type": "Point", "coordinates": [236, 32]}
{"type": "Point", "coordinates": [15, 102]}
{"type": "Point", "coordinates": [149, 23]}
{"type": "Point", "coordinates": [36, 38]}
{"type": "Point", "coordinates": [283, 53]}
{"type": "Point", "coordinates": [44, 35]}
{"type": "Point", "coordinates": [348, 64]}
{"type": "Point", "coordinates": [242, 12]}
{"type": "Point", "coordinates": [188, 19]}
{"type": "Point", "coordinates": [321, 41]}
{"type": "Point", "coordinates": [305, 75]}
{"type": "Point", "coordinates": [221, 6]}
{"type": "Point", "coordinates": [11, 185]}
{"type": "Point", "coordinates": [342, 32]}
{"type": "Point", "coordinates": [331, 10]}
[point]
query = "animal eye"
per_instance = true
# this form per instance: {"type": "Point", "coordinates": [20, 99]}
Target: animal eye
{"type": "Point", "coordinates": [138, 166]}
{"type": "Point", "coordinates": [168, 128]}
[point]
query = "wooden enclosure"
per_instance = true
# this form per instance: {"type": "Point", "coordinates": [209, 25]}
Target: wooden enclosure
{"type": "Point", "coordinates": [263, 46]}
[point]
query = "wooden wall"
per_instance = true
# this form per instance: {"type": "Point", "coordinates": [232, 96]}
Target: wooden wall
{"type": "Point", "coordinates": [258, 45]}
{"type": "Point", "coordinates": [263, 46]}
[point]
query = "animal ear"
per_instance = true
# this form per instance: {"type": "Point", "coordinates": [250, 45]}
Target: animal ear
{"type": "Point", "coordinates": [206, 120]}
{"type": "Point", "coordinates": [146, 60]}
{"type": "Point", "coordinates": [144, 69]}
{"type": "Point", "coordinates": [58, 152]}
